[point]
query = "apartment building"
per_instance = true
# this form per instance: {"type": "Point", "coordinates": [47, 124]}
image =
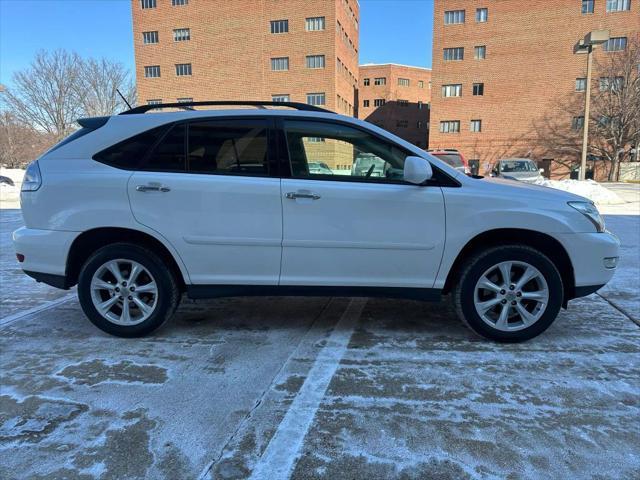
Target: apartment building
{"type": "Point", "coordinates": [294, 50]}
{"type": "Point", "coordinates": [397, 98]}
{"type": "Point", "coordinates": [501, 68]}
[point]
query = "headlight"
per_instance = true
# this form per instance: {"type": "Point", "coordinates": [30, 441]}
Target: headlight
{"type": "Point", "coordinates": [32, 178]}
{"type": "Point", "coordinates": [590, 211]}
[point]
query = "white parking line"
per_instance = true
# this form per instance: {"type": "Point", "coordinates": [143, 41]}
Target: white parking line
{"type": "Point", "coordinates": [280, 456]}
{"type": "Point", "coordinates": [40, 308]}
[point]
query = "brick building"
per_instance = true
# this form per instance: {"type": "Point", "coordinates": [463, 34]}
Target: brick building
{"type": "Point", "coordinates": [296, 50]}
{"type": "Point", "coordinates": [502, 66]}
{"type": "Point", "coordinates": [396, 98]}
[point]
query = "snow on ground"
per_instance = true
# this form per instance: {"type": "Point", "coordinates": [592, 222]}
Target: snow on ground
{"type": "Point", "coordinates": [10, 194]}
{"type": "Point", "coordinates": [588, 189]}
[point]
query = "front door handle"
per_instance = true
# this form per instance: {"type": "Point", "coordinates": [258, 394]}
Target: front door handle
{"type": "Point", "coordinates": [294, 195]}
{"type": "Point", "coordinates": [152, 188]}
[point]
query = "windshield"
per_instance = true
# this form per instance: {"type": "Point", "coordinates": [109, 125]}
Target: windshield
{"type": "Point", "coordinates": [452, 159]}
{"type": "Point", "coordinates": [517, 166]}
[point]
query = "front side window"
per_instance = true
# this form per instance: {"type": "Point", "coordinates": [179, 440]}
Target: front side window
{"type": "Point", "coordinates": [181, 34]}
{"type": "Point", "coordinates": [183, 69]}
{"type": "Point", "coordinates": [313, 24]}
{"type": "Point", "coordinates": [452, 90]}
{"type": "Point", "coordinates": [482, 15]}
{"type": "Point", "coordinates": [345, 153]}
{"type": "Point", "coordinates": [315, 61]}
{"type": "Point", "coordinates": [480, 52]}
{"type": "Point", "coordinates": [231, 147]}
{"type": "Point", "coordinates": [279, 26]}
{"type": "Point", "coordinates": [168, 156]}
{"type": "Point", "coordinates": [451, 54]}
{"type": "Point", "coordinates": [453, 17]}
{"type": "Point", "coordinates": [316, 99]}
{"type": "Point", "coordinates": [149, 37]}
{"type": "Point", "coordinates": [618, 5]}
{"type": "Point", "coordinates": [279, 64]}
{"type": "Point", "coordinates": [587, 6]}
{"type": "Point", "coordinates": [152, 71]}
{"type": "Point", "coordinates": [615, 44]}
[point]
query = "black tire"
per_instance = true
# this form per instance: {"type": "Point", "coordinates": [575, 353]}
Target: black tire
{"type": "Point", "coordinates": [167, 287]}
{"type": "Point", "coordinates": [475, 266]}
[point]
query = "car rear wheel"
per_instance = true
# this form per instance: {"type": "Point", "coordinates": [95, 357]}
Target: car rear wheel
{"type": "Point", "coordinates": [508, 293]}
{"type": "Point", "coordinates": [126, 290]}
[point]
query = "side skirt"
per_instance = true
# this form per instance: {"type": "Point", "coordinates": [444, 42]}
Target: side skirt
{"type": "Point", "coordinates": [216, 291]}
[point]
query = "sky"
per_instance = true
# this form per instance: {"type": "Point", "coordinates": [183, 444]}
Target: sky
{"type": "Point", "coordinates": [397, 31]}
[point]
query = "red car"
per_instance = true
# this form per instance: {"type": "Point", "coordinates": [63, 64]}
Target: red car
{"type": "Point", "coordinates": [453, 157]}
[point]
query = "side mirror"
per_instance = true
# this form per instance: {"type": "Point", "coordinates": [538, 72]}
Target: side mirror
{"type": "Point", "coordinates": [417, 170]}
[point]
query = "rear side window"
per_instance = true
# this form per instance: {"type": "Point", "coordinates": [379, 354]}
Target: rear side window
{"type": "Point", "coordinates": [228, 147]}
{"type": "Point", "coordinates": [169, 155]}
{"type": "Point", "coordinates": [129, 153]}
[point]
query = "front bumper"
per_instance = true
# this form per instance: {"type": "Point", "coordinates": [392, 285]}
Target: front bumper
{"type": "Point", "coordinates": [45, 252]}
{"type": "Point", "coordinates": [590, 255]}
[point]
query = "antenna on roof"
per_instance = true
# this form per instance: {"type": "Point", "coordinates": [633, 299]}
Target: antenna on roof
{"type": "Point", "coordinates": [123, 99]}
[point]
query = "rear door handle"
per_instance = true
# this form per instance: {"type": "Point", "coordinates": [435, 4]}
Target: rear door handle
{"type": "Point", "coordinates": [294, 195]}
{"type": "Point", "coordinates": [152, 188]}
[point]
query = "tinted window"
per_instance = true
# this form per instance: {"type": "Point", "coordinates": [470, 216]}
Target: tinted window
{"type": "Point", "coordinates": [229, 147]}
{"type": "Point", "coordinates": [333, 152]}
{"type": "Point", "coordinates": [169, 156]}
{"type": "Point", "coordinates": [129, 153]}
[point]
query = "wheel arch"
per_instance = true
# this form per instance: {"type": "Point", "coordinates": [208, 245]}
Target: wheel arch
{"type": "Point", "coordinates": [543, 242]}
{"type": "Point", "coordinates": [91, 240]}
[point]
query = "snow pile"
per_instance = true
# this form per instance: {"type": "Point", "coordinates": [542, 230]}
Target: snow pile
{"type": "Point", "coordinates": [10, 194]}
{"type": "Point", "coordinates": [588, 189]}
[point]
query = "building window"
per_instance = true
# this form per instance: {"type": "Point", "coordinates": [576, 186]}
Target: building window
{"type": "Point", "coordinates": [581, 84]}
{"type": "Point", "coordinates": [183, 69]}
{"type": "Point", "coordinates": [420, 105]}
{"type": "Point", "coordinates": [280, 63]}
{"type": "Point", "coordinates": [179, 3]}
{"type": "Point", "coordinates": [618, 5]}
{"type": "Point", "coordinates": [315, 61]}
{"type": "Point", "coordinates": [279, 26]}
{"type": "Point", "coordinates": [456, 53]}
{"type": "Point", "coordinates": [587, 6]}
{"type": "Point", "coordinates": [316, 98]}
{"type": "Point", "coordinates": [453, 17]}
{"type": "Point", "coordinates": [403, 82]}
{"type": "Point", "coordinates": [314, 24]}
{"type": "Point", "coordinates": [478, 89]}
{"type": "Point", "coordinates": [420, 83]}
{"type": "Point", "coordinates": [280, 98]}
{"type": "Point", "coordinates": [185, 100]}
{"type": "Point", "coordinates": [365, 103]}
{"type": "Point", "coordinates": [403, 103]}
{"type": "Point", "coordinates": [380, 81]}
{"type": "Point", "coordinates": [480, 52]}
{"type": "Point", "coordinates": [148, 4]}
{"type": "Point", "coordinates": [612, 84]}
{"type": "Point", "coordinates": [482, 15]}
{"type": "Point", "coordinates": [181, 34]}
{"type": "Point", "coordinates": [577, 123]}
{"type": "Point", "coordinates": [419, 124]}
{"type": "Point", "coordinates": [365, 82]}
{"type": "Point", "coordinates": [453, 90]}
{"type": "Point", "coordinates": [155, 101]}
{"type": "Point", "coordinates": [378, 102]}
{"type": "Point", "coordinates": [402, 123]}
{"type": "Point", "coordinates": [615, 44]}
{"type": "Point", "coordinates": [152, 71]}
{"type": "Point", "coordinates": [450, 126]}
{"type": "Point", "coordinates": [476, 126]}
{"type": "Point", "coordinates": [149, 37]}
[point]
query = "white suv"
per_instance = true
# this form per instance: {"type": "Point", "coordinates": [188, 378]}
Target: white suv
{"type": "Point", "coordinates": [138, 208]}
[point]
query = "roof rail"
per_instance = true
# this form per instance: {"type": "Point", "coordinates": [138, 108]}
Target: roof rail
{"type": "Point", "coordinates": [187, 105]}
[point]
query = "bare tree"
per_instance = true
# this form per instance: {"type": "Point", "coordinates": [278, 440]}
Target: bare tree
{"type": "Point", "coordinates": [98, 85]}
{"type": "Point", "coordinates": [45, 94]}
{"type": "Point", "coordinates": [20, 143]}
{"type": "Point", "coordinates": [614, 127]}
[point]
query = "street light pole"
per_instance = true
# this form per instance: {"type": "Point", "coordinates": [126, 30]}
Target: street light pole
{"type": "Point", "coordinates": [585, 123]}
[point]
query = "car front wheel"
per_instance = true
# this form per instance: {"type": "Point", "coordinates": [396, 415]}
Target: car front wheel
{"type": "Point", "coordinates": [126, 290]}
{"type": "Point", "coordinates": [509, 293]}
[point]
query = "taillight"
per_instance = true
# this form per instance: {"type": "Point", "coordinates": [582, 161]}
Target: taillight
{"type": "Point", "coordinates": [32, 178]}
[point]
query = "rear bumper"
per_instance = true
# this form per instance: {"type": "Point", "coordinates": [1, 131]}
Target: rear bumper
{"type": "Point", "coordinates": [45, 253]}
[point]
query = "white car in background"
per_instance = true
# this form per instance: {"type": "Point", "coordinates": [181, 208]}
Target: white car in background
{"type": "Point", "coordinates": [137, 209]}
{"type": "Point", "coordinates": [521, 169]}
